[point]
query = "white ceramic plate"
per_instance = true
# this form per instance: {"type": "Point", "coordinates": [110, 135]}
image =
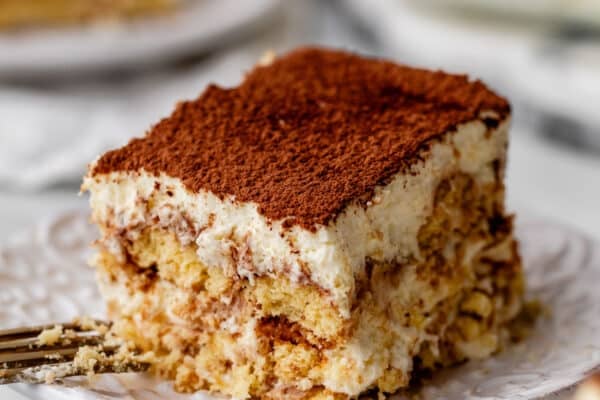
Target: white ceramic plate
{"type": "Point", "coordinates": [198, 25]}
{"type": "Point", "coordinates": [43, 278]}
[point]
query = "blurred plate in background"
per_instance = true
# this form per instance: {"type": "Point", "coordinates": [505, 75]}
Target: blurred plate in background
{"type": "Point", "coordinates": [562, 78]}
{"type": "Point", "coordinates": [581, 11]}
{"type": "Point", "coordinates": [198, 26]}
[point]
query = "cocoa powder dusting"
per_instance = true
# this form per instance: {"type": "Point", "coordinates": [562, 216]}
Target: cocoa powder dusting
{"type": "Point", "coordinates": [307, 134]}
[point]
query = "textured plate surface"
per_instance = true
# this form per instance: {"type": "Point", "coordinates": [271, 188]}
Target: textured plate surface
{"type": "Point", "coordinates": [43, 278]}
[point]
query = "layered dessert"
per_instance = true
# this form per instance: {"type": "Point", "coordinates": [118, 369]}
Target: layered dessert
{"type": "Point", "coordinates": [333, 225]}
{"type": "Point", "coordinates": [19, 13]}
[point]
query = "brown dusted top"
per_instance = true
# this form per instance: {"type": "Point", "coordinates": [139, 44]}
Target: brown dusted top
{"type": "Point", "coordinates": [307, 134]}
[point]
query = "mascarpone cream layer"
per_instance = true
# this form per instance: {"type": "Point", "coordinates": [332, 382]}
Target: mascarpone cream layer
{"type": "Point", "coordinates": [333, 256]}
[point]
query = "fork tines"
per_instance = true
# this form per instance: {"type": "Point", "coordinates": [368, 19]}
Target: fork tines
{"type": "Point", "coordinates": [45, 353]}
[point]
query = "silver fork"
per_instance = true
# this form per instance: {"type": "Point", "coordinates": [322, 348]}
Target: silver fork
{"type": "Point", "coordinates": [27, 357]}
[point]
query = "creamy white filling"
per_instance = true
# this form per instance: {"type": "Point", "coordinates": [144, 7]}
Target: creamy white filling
{"type": "Point", "coordinates": [386, 229]}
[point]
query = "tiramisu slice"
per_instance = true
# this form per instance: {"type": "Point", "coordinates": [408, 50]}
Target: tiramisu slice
{"type": "Point", "coordinates": [332, 225]}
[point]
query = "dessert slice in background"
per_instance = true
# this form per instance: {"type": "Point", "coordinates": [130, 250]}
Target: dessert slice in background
{"type": "Point", "coordinates": [332, 225]}
{"type": "Point", "coordinates": [27, 13]}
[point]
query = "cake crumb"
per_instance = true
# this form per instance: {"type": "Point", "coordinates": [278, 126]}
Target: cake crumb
{"type": "Point", "coordinates": [53, 356]}
{"type": "Point", "coordinates": [88, 323]}
{"type": "Point", "coordinates": [51, 336]}
{"type": "Point", "coordinates": [267, 58]}
{"type": "Point", "coordinates": [50, 377]}
{"type": "Point", "coordinates": [520, 328]}
{"type": "Point", "coordinates": [87, 358]}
